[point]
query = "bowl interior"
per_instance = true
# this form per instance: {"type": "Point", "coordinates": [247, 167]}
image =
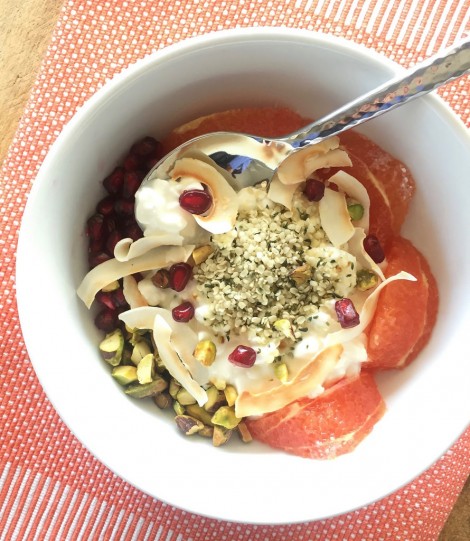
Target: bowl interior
{"type": "Point", "coordinates": [427, 403]}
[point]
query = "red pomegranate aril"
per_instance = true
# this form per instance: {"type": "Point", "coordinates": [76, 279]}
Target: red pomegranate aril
{"type": "Point", "coordinates": [161, 279]}
{"type": "Point", "coordinates": [151, 163]}
{"type": "Point", "coordinates": [110, 225]}
{"type": "Point", "coordinates": [333, 186]}
{"type": "Point", "coordinates": [132, 162]}
{"type": "Point", "coordinates": [132, 182]}
{"type": "Point", "coordinates": [95, 246]}
{"type": "Point", "coordinates": [148, 146]}
{"type": "Point", "coordinates": [119, 301]}
{"type": "Point", "coordinates": [124, 207]}
{"type": "Point", "coordinates": [314, 189]}
{"type": "Point", "coordinates": [107, 320]}
{"type": "Point", "coordinates": [113, 183]}
{"type": "Point", "coordinates": [374, 249]}
{"type": "Point", "coordinates": [95, 227]}
{"type": "Point", "coordinates": [183, 313]}
{"type": "Point", "coordinates": [180, 274]}
{"type": "Point", "coordinates": [106, 299]}
{"type": "Point", "coordinates": [195, 201]}
{"type": "Point", "coordinates": [346, 313]}
{"type": "Point", "coordinates": [95, 259]}
{"type": "Point", "coordinates": [243, 356]}
{"type": "Point", "coordinates": [130, 230]}
{"type": "Point", "coordinates": [113, 238]}
{"type": "Point", "coordinates": [106, 206]}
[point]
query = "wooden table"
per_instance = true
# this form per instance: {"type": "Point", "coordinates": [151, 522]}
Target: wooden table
{"type": "Point", "coordinates": [25, 30]}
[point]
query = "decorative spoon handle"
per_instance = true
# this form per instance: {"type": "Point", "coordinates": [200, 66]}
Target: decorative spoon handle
{"type": "Point", "coordinates": [434, 72]}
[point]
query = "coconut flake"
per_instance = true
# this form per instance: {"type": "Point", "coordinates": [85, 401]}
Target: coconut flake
{"type": "Point", "coordinates": [132, 293]}
{"type": "Point", "coordinates": [281, 193]}
{"type": "Point", "coordinates": [223, 213]}
{"type": "Point", "coordinates": [355, 190]}
{"type": "Point", "coordinates": [127, 249]}
{"type": "Point", "coordinates": [112, 270]}
{"type": "Point", "coordinates": [334, 217]}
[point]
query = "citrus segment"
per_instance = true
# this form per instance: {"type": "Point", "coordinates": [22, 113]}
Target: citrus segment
{"type": "Point", "coordinates": [405, 310]}
{"type": "Point", "coordinates": [330, 425]}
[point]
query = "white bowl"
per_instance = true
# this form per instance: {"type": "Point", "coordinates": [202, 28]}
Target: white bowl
{"type": "Point", "coordinates": [428, 406]}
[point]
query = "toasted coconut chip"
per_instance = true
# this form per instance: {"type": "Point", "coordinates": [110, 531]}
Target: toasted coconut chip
{"type": "Point", "coordinates": [354, 189]}
{"type": "Point", "coordinates": [301, 164]}
{"type": "Point", "coordinates": [356, 248]}
{"type": "Point", "coordinates": [162, 334]}
{"type": "Point", "coordinates": [111, 270]}
{"type": "Point", "coordinates": [334, 217]}
{"type": "Point", "coordinates": [223, 213]}
{"type": "Point", "coordinates": [132, 293]}
{"type": "Point", "coordinates": [310, 377]}
{"type": "Point", "coordinates": [281, 193]}
{"type": "Point", "coordinates": [127, 249]}
{"type": "Point", "coordinates": [366, 313]}
{"type": "Point", "coordinates": [175, 344]}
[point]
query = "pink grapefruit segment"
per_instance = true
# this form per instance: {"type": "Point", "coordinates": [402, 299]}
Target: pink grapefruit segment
{"type": "Point", "coordinates": [325, 427]}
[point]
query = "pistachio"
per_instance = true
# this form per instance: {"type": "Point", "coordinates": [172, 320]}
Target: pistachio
{"type": "Point", "coordinates": [215, 399]}
{"type": "Point", "coordinates": [219, 383]}
{"type": "Point", "coordinates": [111, 287]}
{"type": "Point", "coordinates": [366, 279]}
{"type": "Point", "coordinates": [230, 394]}
{"type": "Point", "coordinates": [201, 253]}
{"type": "Point", "coordinates": [281, 372]}
{"type": "Point", "coordinates": [163, 400]}
{"type": "Point", "coordinates": [185, 398]}
{"type": "Point", "coordinates": [124, 374]}
{"type": "Point", "coordinates": [145, 369]}
{"type": "Point", "coordinates": [174, 388]}
{"type": "Point", "coordinates": [205, 352]}
{"type": "Point", "coordinates": [161, 279]}
{"type": "Point", "coordinates": [225, 416]}
{"type": "Point", "coordinates": [301, 274]}
{"type": "Point", "coordinates": [356, 211]}
{"type": "Point", "coordinates": [220, 436]}
{"type": "Point", "coordinates": [206, 431]}
{"type": "Point", "coordinates": [112, 346]}
{"type": "Point", "coordinates": [243, 432]}
{"type": "Point", "coordinates": [199, 413]}
{"type": "Point", "coordinates": [188, 425]}
{"type": "Point", "coordinates": [137, 390]}
{"type": "Point", "coordinates": [141, 349]}
{"type": "Point", "coordinates": [178, 408]}
{"type": "Point", "coordinates": [284, 326]}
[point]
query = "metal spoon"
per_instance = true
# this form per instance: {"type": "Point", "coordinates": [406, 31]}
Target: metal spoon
{"type": "Point", "coordinates": [251, 159]}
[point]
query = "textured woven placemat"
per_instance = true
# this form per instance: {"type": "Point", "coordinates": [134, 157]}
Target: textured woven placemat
{"type": "Point", "coordinates": [50, 486]}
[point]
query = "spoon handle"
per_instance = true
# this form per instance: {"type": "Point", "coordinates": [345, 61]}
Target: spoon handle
{"type": "Point", "coordinates": [423, 78]}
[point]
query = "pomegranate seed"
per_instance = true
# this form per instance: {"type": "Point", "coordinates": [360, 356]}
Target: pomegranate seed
{"type": "Point", "coordinates": [131, 230]}
{"type": "Point", "coordinates": [180, 274]}
{"type": "Point", "coordinates": [346, 312]}
{"type": "Point", "coordinates": [373, 247]}
{"type": "Point", "coordinates": [161, 279]}
{"type": "Point", "coordinates": [95, 227]}
{"type": "Point", "coordinates": [113, 183]}
{"type": "Point", "coordinates": [151, 163]}
{"type": "Point", "coordinates": [97, 258]}
{"type": "Point", "coordinates": [314, 189]}
{"type": "Point", "coordinates": [243, 356]}
{"type": "Point", "coordinates": [107, 320]}
{"type": "Point", "coordinates": [132, 162]}
{"type": "Point", "coordinates": [119, 301]}
{"type": "Point", "coordinates": [95, 246]}
{"type": "Point", "coordinates": [195, 201]}
{"type": "Point", "coordinates": [183, 313]}
{"type": "Point", "coordinates": [148, 146]}
{"type": "Point", "coordinates": [106, 206]}
{"type": "Point", "coordinates": [106, 299]}
{"type": "Point", "coordinates": [110, 225]}
{"type": "Point", "coordinates": [114, 237]}
{"type": "Point", "coordinates": [132, 182]}
{"type": "Point", "coordinates": [124, 207]}
{"type": "Point", "coordinates": [333, 186]}
{"type": "Point", "coordinates": [138, 276]}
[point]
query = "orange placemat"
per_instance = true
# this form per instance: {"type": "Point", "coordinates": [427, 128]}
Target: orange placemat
{"type": "Point", "coordinates": [50, 486]}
